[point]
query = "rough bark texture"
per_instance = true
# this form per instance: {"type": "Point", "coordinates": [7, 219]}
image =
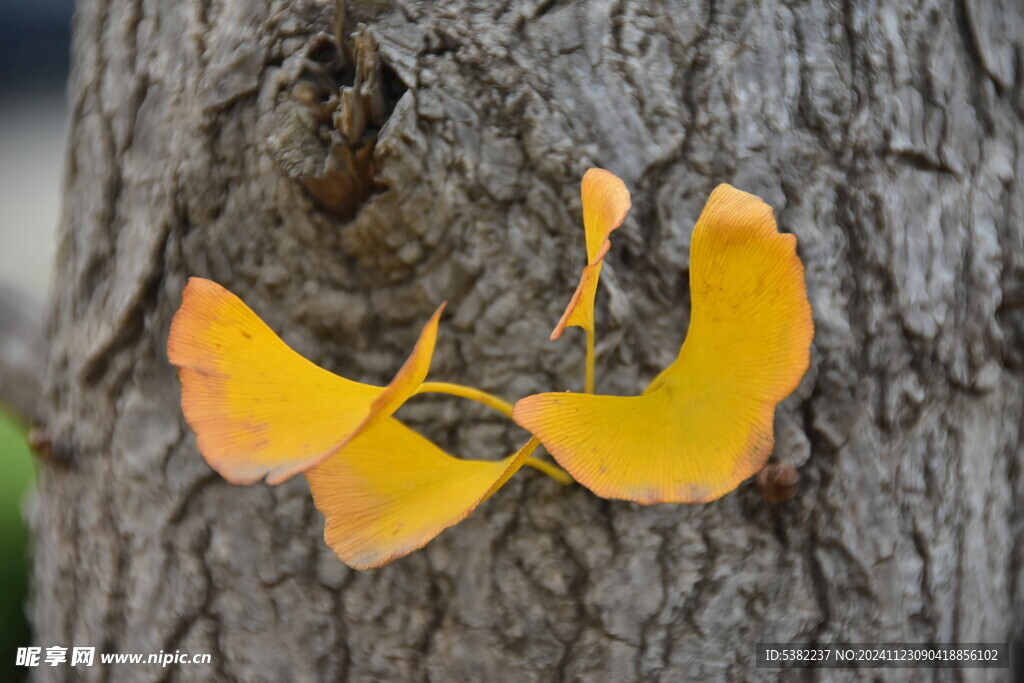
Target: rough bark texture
{"type": "Point", "coordinates": [207, 139]}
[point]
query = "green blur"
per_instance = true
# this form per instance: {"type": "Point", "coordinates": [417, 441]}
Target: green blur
{"type": "Point", "coordinates": [17, 474]}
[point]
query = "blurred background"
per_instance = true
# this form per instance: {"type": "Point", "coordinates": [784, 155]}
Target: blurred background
{"type": "Point", "coordinates": [34, 42]}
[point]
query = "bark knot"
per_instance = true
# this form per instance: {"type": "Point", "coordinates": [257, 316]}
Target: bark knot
{"type": "Point", "coordinates": [334, 98]}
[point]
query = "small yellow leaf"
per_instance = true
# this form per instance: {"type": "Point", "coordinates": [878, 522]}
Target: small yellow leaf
{"type": "Point", "coordinates": [605, 204]}
{"type": "Point", "coordinates": [580, 311]}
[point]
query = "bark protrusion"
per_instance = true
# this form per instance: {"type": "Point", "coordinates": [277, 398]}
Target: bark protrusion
{"type": "Point", "coordinates": [49, 450]}
{"type": "Point", "coordinates": [778, 482]}
{"type": "Point", "coordinates": [328, 117]}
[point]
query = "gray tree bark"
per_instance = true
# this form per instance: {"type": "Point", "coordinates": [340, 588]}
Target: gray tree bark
{"type": "Point", "coordinates": [437, 155]}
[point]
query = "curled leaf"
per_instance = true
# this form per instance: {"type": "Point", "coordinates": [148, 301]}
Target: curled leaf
{"type": "Point", "coordinates": [605, 204]}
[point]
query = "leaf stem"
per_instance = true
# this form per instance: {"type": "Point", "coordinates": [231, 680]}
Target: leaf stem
{"type": "Point", "coordinates": [550, 469]}
{"type": "Point", "coordinates": [489, 400]}
{"type": "Point", "coordinates": [502, 406]}
{"type": "Point", "coordinates": [589, 385]}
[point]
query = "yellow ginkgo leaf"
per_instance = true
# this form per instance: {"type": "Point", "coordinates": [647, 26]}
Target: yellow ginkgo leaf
{"type": "Point", "coordinates": [705, 423]}
{"type": "Point", "coordinates": [258, 408]}
{"type": "Point", "coordinates": [605, 204]}
{"type": "Point", "coordinates": [390, 491]}
{"type": "Point", "coordinates": [580, 311]}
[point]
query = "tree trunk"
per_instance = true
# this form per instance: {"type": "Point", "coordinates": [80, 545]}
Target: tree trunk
{"type": "Point", "coordinates": [343, 193]}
